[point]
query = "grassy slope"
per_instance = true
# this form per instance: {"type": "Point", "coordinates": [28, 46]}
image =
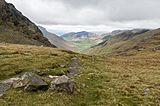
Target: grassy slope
{"type": "Point", "coordinates": [10, 36]}
{"type": "Point", "coordinates": [145, 41]}
{"type": "Point", "coordinates": [132, 80]}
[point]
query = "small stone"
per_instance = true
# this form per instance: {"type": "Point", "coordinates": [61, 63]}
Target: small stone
{"type": "Point", "coordinates": [62, 66]}
{"type": "Point", "coordinates": [53, 77]}
{"type": "Point", "coordinates": [146, 90]}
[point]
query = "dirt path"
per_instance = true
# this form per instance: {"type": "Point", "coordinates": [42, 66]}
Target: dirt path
{"type": "Point", "coordinates": [72, 71]}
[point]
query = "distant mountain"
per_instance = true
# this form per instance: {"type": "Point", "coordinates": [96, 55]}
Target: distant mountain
{"type": "Point", "coordinates": [80, 35]}
{"type": "Point", "coordinates": [131, 41]}
{"type": "Point", "coordinates": [117, 32]}
{"type": "Point", "coordinates": [16, 28]}
{"type": "Point", "coordinates": [82, 39]}
{"type": "Point", "coordinates": [57, 41]}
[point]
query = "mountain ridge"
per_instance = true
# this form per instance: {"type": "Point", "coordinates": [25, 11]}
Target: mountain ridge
{"type": "Point", "coordinates": [18, 29]}
{"type": "Point", "coordinates": [128, 43]}
{"type": "Point", "coordinates": [82, 34]}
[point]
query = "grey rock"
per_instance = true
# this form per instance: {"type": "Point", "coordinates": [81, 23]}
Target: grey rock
{"type": "Point", "coordinates": [146, 90]}
{"type": "Point", "coordinates": [50, 78]}
{"type": "Point", "coordinates": [63, 84]}
{"type": "Point", "coordinates": [61, 79]}
{"type": "Point", "coordinates": [3, 88]}
{"type": "Point", "coordinates": [10, 81]}
{"type": "Point", "coordinates": [30, 82]}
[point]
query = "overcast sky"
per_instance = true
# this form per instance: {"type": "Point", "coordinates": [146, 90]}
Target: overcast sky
{"type": "Point", "coordinates": [91, 15]}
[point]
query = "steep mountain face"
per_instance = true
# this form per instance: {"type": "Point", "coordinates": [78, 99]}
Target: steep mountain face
{"type": "Point", "coordinates": [16, 28]}
{"type": "Point", "coordinates": [57, 41]}
{"type": "Point", "coordinates": [129, 42]}
{"type": "Point", "coordinates": [83, 39]}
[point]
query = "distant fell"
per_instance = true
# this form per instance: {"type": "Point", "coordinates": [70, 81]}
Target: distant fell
{"type": "Point", "coordinates": [18, 29]}
{"type": "Point", "coordinates": [83, 39]}
{"type": "Point", "coordinates": [129, 42]}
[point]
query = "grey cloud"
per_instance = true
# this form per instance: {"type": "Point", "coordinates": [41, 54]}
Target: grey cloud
{"type": "Point", "coordinates": [128, 10]}
{"type": "Point", "coordinates": [91, 12]}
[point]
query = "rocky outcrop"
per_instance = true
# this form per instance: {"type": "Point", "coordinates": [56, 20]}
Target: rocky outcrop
{"type": "Point", "coordinates": [12, 19]}
{"type": "Point", "coordinates": [30, 82]}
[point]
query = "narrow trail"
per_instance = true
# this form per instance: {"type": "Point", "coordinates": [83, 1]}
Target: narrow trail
{"type": "Point", "coordinates": [73, 66]}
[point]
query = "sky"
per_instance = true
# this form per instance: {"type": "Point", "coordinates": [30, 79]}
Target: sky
{"type": "Point", "coordinates": [62, 16]}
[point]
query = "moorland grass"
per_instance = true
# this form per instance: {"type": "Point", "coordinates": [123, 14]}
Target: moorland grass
{"type": "Point", "coordinates": [101, 81]}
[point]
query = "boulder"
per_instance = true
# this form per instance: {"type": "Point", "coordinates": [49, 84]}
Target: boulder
{"type": "Point", "coordinates": [30, 82]}
{"type": "Point", "coordinates": [63, 84]}
{"type": "Point", "coordinates": [3, 88]}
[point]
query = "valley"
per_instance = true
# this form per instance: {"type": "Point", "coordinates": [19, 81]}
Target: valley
{"type": "Point", "coordinates": [83, 40]}
{"type": "Point", "coordinates": [80, 68]}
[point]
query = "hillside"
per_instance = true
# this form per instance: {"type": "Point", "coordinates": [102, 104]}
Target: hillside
{"type": "Point", "coordinates": [119, 32]}
{"type": "Point", "coordinates": [113, 33]}
{"type": "Point", "coordinates": [129, 42]}
{"type": "Point", "coordinates": [82, 39]}
{"type": "Point", "coordinates": [100, 81]}
{"type": "Point", "coordinates": [58, 41]}
{"type": "Point", "coordinates": [39, 68]}
{"type": "Point", "coordinates": [16, 28]}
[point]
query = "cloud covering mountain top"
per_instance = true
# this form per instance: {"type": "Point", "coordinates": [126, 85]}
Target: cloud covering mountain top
{"type": "Point", "coordinates": [110, 13]}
